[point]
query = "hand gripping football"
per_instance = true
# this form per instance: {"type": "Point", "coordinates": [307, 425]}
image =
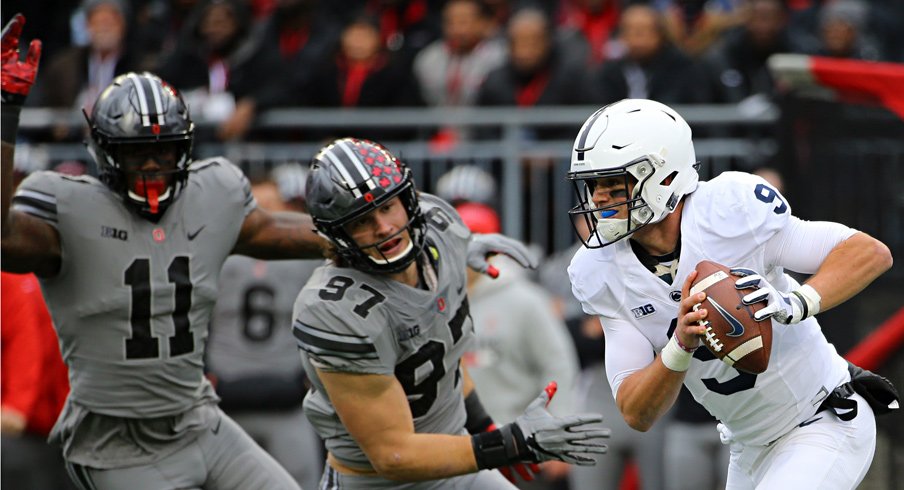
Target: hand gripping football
{"type": "Point", "coordinates": [732, 334]}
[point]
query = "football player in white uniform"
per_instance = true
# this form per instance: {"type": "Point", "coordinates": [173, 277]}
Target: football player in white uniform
{"type": "Point", "coordinates": [634, 169]}
{"type": "Point", "coordinates": [383, 329]}
{"type": "Point", "coordinates": [129, 265]}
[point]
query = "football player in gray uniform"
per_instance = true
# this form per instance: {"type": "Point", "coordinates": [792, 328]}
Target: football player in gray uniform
{"type": "Point", "coordinates": [383, 329]}
{"type": "Point", "coordinates": [129, 266]}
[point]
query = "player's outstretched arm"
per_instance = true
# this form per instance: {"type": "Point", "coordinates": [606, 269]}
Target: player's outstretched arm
{"type": "Point", "coordinates": [279, 235]}
{"type": "Point", "coordinates": [28, 244]}
{"type": "Point", "coordinates": [376, 413]}
{"type": "Point", "coordinates": [849, 266]}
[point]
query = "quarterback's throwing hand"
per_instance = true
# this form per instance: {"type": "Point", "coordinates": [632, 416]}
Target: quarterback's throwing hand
{"type": "Point", "coordinates": [484, 245]}
{"type": "Point", "coordinates": [17, 76]}
{"type": "Point", "coordinates": [572, 439]}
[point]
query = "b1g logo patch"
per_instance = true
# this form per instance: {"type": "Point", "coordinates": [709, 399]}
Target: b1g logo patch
{"type": "Point", "coordinates": [642, 311]}
{"type": "Point", "coordinates": [110, 232]}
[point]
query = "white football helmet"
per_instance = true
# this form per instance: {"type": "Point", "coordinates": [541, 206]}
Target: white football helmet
{"type": "Point", "coordinates": [635, 138]}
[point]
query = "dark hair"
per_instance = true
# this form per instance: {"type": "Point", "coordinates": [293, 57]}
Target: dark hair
{"type": "Point", "coordinates": [483, 8]}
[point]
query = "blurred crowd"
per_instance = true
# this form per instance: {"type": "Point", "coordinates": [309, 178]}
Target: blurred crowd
{"type": "Point", "coordinates": [233, 59]}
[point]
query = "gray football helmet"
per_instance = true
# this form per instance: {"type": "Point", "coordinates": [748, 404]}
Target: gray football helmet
{"type": "Point", "coordinates": [350, 178]}
{"type": "Point", "coordinates": [139, 116]}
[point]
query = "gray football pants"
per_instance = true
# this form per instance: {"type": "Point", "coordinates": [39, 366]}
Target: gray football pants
{"type": "Point", "coordinates": [483, 480]}
{"type": "Point", "coordinates": [290, 439]}
{"type": "Point", "coordinates": [221, 458]}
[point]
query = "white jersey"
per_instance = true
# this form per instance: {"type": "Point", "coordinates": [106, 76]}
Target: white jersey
{"type": "Point", "coordinates": [727, 220]}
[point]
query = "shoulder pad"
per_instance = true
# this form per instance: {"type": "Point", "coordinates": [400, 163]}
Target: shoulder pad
{"type": "Point", "coordinates": [442, 216]}
{"type": "Point", "coordinates": [737, 204]}
{"type": "Point", "coordinates": [587, 268]}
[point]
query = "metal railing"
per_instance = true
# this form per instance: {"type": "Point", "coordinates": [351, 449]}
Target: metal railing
{"type": "Point", "coordinates": [533, 194]}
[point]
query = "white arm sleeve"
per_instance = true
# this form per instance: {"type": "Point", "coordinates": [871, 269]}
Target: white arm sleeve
{"type": "Point", "coordinates": [802, 246]}
{"type": "Point", "coordinates": [627, 351]}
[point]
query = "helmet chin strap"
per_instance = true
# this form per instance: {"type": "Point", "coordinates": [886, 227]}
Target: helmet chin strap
{"type": "Point", "coordinates": [398, 256]}
{"type": "Point", "coordinates": [151, 192]}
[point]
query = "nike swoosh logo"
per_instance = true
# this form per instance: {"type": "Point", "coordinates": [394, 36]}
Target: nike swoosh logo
{"type": "Point", "coordinates": [737, 329]}
{"type": "Point", "coordinates": [216, 429]}
{"type": "Point", "coordinates": [808, 422]}
{"type": "Point", "coordinates": [191, 236]}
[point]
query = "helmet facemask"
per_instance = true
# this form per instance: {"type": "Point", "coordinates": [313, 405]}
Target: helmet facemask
{"type": "Point", "coordinates": [148, 193]}
{"type": "Point", "coordinates": [357, 254]}
{"type": "Point", "coordinates": [604, 223]}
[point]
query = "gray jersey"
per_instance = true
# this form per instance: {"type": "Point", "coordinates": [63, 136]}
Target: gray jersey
{"type": "Point", "coordinates": [353, 322]}
{"type": "Point", "coordinates": [253, 316]}
{"type": "Point", "coordinates": [132, 300]}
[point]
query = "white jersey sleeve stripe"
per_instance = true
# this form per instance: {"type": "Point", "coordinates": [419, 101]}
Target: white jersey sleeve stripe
{"type": "Point", "coordinates": [35, 204]}
{"type": "Point", "coordinates": [40, 196]}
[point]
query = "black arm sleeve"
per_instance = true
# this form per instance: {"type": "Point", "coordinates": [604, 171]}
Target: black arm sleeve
{"type": "Point", "coordinates": [478, 419]}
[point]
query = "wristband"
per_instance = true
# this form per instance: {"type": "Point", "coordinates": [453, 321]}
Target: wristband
{"type": "Point", "coordinates": [684, 347]}
{"type": "Point", "coordinates": [674, 357]}
{"type": "Point", "coordinates": [502, 447]}
{"type": "Point", "coordinates": [478, 419]}
{"type": "Point", "coordinates": [9, 122]}
{"type": "Point", "coordinates": [810, 300]}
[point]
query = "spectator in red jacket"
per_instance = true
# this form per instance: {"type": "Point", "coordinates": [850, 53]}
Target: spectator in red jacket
{"type": "Point", "coordinates": [33, 388]}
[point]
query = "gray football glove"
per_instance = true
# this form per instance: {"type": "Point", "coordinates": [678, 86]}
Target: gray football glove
{"type": "Point", "coordinates": [484, 245]}
{"type": "Point", "coordinates": [571, 439]}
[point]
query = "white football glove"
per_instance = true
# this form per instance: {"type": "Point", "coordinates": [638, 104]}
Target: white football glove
{"type": "Point", "coordinates": [483, 245]}
{"type": "Point", "coordinates": [787, 308]}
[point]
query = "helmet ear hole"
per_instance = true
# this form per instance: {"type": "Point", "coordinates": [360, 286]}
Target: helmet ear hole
{"type": "Point", "coordinates": [668, 178]}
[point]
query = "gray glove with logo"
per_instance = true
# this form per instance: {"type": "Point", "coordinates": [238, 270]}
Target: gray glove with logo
{"type": "Point", "coordinates": [484, 245]}
{"type": "Point", "coordinates": [537, 436]}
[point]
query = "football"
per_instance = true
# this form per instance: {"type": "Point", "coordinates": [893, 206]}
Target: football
{"type": "Point", "coordinates": [732, 334]}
